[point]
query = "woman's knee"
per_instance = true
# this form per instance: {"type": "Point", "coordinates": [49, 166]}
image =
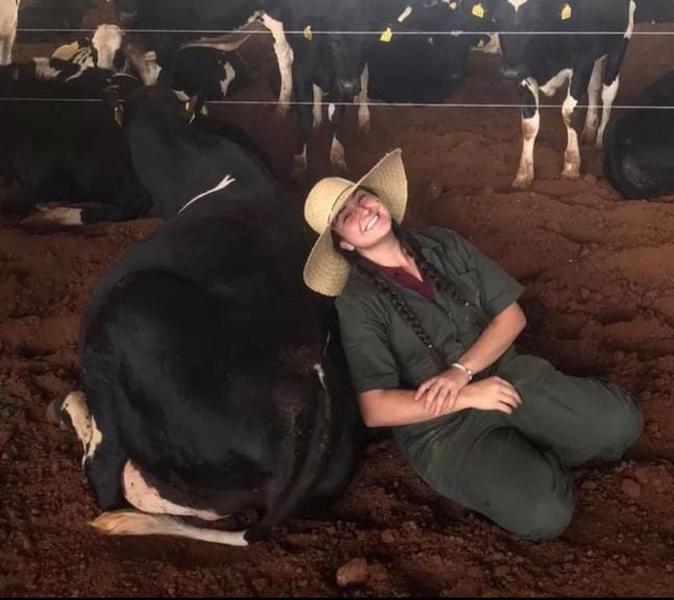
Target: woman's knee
{"type": "Point", "coordinates": [622, 427]}
{"type": "Point", "coordinates": [544, 517]}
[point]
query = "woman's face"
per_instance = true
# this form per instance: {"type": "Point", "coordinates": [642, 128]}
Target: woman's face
{"type": "Point", "coordinates": [363, 221]}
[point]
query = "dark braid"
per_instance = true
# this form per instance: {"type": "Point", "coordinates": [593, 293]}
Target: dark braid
{"type": "Point", "coordinates": [441, 282]}
{"type": "Point", "coordinates": [376, 277]}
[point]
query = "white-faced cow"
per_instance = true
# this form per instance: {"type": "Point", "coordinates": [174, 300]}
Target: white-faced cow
{"type": "Point", "coordinates": [9, 16]}
{"type": "Point", "coordinates": [590, 64]}
{"type": "Point", "coordinates": [639, 144]}
{"type": "Point", "coordinates": [209, 381]}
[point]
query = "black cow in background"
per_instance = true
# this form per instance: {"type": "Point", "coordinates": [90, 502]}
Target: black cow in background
{"type": "Point", "coordinates": [69, 152]}
{"type": "Point", "coordinates": [51, 14]}
{"type": "Point", "coordinates": [639, 145]}
{"type": "Point", "coordinates": [188, 15]}
{"type": "Point", "coordinates": [210, 383]}
{"type": "Point", "coordinates": [544, 63]}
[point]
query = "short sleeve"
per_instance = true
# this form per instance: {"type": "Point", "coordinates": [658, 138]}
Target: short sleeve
{"type": "Point", "coordinates": [365, 340]}
{"type": "Point", "coordinates": [499, 289]}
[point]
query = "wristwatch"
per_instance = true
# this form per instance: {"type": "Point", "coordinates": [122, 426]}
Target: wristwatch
{"type": "Point", "coordinates": [467, 370]}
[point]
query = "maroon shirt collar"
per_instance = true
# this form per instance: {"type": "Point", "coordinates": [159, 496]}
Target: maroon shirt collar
{"type": "Point", "coordinates": [409, 281]}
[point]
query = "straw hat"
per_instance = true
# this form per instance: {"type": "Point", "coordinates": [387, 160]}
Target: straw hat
{"type": "Point", "coordinates": [326, 271]}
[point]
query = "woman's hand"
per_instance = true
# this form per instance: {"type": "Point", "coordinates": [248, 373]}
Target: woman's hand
{"type": "Point", "coordinates": [442, 391]}
{"type": "Point", "coordinates": [492, 393]}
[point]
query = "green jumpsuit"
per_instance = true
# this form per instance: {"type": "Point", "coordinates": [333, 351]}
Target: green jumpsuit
{"type": "Point", "coordinates": [510, 468]}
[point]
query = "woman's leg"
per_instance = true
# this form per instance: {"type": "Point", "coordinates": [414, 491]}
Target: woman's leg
{"type": "Point", "coordinates": [576, 418]}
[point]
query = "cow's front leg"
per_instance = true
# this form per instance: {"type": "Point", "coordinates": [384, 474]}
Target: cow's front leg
{"type": "Point", "coordinates": [531, 123]}
{"type": "Point", "coordinates": [336, 114]}
{"type": "Point", "coordinates": [284, 56]}
{"type": "Point", "coordinates": [594, 97]}
{"type": "Point", "coordinates": [611, 83]}
{"type": "Point", "coordinates": [303, 88]}
{"type": "Point", "coordinates": [579, 82]}
{"type": "Point", "coordinates": [363, 107]}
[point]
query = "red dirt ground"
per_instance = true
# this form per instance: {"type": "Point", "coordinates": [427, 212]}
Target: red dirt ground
{"type": "Point", "coordinates": [600, 300]}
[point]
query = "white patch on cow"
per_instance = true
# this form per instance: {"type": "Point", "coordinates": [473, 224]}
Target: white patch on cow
{"type": "Point", "coordinates": [331, 111]}
{"type": "Point", "coordinates": [146, 498]}
{"type": "Point", "coordinates": [230, 75]}
{"type": "Point", "coordinates": [9, 15]}
{"type": "Point", "coordinates": [43, 69]}
{"type": "Point", "coordinates": [285, 57]}
{"type": "Point", "coordinates": [594, 97]}
{"type": "Point", "coordinates": [317, 108]}
{"type": "Point", "coordinates": [146, 65]}
{"type": "Point", "coordinates": [182, 96]}
{"type": "Point", "coordinates": [572, 152]}
{"type": "Point", "coordinates": [226, 182]}
{"type": "Point", "coordinates": [405, 14]}
{"type": "Point", "coordinates": [530, 129]}
{"type": "Point", "coordinates": [300, 164]}
{"type": "Point", "coordinates": [630, 22]}
{"type": "Point", "coordinates": [321, 374]}
{"type": "Point", "coordinates": [608, 95]}
{"type": "Point", "coordinates": [337, 154]}
{"type": "Point", "coordinates": [553, 85]}
{"type": "Point", "coordinates": [131, 522]}
{"type": "Point", "coordinates": [107, 41]}
{"type": "Point", "coordinates": [62, 215]}
{"type": "Point", "coordinates": [77, 408]}
{"type": "Point", "coordinates": [493, 46]}
{"type": "Point", "coordinates": [95, 441]}
{"type": "Point", "coordinates": [516, 4]}
{"type": "Point", "coordinates": [363, 106]}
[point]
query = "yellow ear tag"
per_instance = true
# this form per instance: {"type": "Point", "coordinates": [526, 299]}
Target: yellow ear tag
{"type": "Point", "coordinates": [452, 5]}
{"type": "Point", "coordinates": [387, 36]}
{"type": "Point", "coordinates": [308, 34]}
{"type": "Point", "coordinates": [478, 11]}
{"type": "Point", "coordinates": [566, 13]}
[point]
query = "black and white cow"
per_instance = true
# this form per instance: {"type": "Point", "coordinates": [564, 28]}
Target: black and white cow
{"type": "Point", "coordinates": [210, 382]}
{"type": "Point", "coordinates": [9, 16]}
{"type": "Point", "coordinates": [590, 64]}
{"type": "Point", "coordinates": [185, 16]}
{"type": "Point", "coordinates": [639, 144]}
{"type": "Point", "coordinates": [103, 51]}
{"type": "Point", "coordinates": [69, 151]}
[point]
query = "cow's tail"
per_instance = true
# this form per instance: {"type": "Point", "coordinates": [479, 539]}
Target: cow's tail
{"type": "Point", "coordinates": [134, 522]}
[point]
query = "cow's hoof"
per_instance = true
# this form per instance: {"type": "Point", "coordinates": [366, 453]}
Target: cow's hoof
{"type": "Point", "coordinates": [282, 110]}
{"type": "Point", "coordinates": [523, 182]}
{"type": "Point", "coordinates": [340, 169]}
{"type": "Point", "coordinates": [364, 123]}
{"type": "Point", "coordinates": [53, 413]}
{"type": "Point", "coordinates": [571, 172]}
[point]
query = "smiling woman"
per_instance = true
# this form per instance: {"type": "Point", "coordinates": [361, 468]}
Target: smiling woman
{"type": "Point", "coordinates": [428, 325]}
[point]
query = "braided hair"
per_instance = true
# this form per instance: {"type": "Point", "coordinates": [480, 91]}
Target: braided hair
{"type": "Point", "coordinates": [379, 280]}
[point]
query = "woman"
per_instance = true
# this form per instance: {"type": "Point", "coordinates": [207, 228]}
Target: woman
{"type": "Point", "coordinates": [428, 325]}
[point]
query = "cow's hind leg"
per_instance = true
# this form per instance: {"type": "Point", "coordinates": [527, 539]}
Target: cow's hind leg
{"type": "Point", "coordinates": [161, 520]}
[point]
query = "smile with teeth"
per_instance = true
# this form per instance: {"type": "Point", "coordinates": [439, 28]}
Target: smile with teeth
{"type": "Point", "coordinates": [371, 223]}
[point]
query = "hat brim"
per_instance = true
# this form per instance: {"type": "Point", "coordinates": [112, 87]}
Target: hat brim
{"type": "Point", "coordinates": [326, 271]}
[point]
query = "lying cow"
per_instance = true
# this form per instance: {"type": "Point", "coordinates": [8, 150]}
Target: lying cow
{"type": "Point", "coordinates": [209, 381]}
{"type": "Point", "coordinates": [544, 63]}
{"type": "Point", "coordinates": [69, 151]}
{"type": "Point", "coordinates": [9, 15]}
{"type": "Point", "coordinates": [639, 145]}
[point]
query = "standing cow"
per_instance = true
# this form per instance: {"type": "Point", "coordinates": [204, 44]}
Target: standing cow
{"type": "Point", "coordinates": [188, 15]}
{"type": "Point", "coordinates": [9, 16]}
{"type": "Point", "coordinates": [544, 63]}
